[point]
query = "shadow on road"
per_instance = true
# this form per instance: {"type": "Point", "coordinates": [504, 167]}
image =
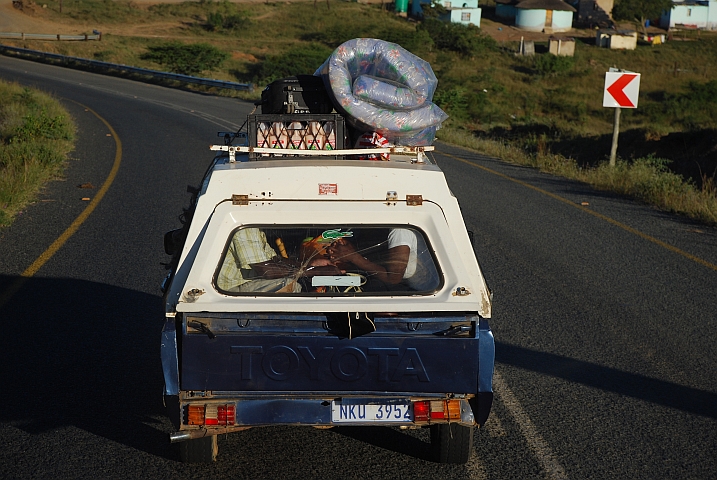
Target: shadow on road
{"type": "Point", "coordinates": [388, 439]}
{"type": "Point", "coordinates": [84, 354]}
{"type": "Point", "coordinates": [87, 354]}
{"type": "Point", "coordinates": [652, 390]}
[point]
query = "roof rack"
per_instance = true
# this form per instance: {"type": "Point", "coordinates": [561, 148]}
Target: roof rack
{"type": "Point", "coordinates": [416, 154]}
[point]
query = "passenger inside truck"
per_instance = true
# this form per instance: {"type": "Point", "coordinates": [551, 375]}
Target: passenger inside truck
{"type": "Point", "coordinates": [399, 268]}
{"type": "Point", "coordinates": [327, 260]}
{"type": "Point", "coordinates": [251, 265]}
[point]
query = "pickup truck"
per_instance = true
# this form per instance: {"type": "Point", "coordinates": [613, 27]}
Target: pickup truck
{"type": "Point", "coordinates": [363, 305]}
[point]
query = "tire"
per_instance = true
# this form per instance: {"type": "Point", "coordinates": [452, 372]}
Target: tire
{"type": "Point", "coordinates": [451, 443]}
{"type": "Point", "coordinates": [199, 450]}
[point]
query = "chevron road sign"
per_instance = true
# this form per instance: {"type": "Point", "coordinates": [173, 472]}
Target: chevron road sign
{"type": "Point", "coordinates": [621, 89]}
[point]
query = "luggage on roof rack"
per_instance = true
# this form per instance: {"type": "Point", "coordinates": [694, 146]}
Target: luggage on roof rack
{"type": "Point", "coordinates": [299, 94]}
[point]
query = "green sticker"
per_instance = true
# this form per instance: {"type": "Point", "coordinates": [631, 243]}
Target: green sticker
{"type": "Point", "coordinates": [335, 234]}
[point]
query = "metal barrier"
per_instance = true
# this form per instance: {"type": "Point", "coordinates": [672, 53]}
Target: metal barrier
{"type": "Point", "coordinates": [112, 67]}
{"type": "Point", "coordinates": [49, 36]}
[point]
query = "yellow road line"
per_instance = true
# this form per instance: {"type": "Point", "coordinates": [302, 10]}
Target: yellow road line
{"type": "Point", "coordinates": [57, 244]}
{"type": "Point", "coordinates": [591, 212]}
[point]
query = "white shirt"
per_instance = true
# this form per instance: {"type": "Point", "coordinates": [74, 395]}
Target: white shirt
{"type": "Point", "coordinates": [420, 271]}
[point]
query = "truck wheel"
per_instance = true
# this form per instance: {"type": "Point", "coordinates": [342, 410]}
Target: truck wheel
{"type": "Point", "coordinates": [199, 450]}
{"type": "Point", "coordinates": [451, 443]}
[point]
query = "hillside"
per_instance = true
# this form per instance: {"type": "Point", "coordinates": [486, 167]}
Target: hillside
{"type": "Point", "coordinates": [542, 104]}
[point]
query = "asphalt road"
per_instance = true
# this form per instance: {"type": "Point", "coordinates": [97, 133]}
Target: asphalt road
{"type": "Point", "coordinates": [605, 317]}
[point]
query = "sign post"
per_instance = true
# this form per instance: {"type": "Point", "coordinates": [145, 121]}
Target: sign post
{"type": "Point", "coordinates": [621, 91]}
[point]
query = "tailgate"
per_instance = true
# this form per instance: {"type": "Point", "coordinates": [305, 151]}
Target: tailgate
{"type": "Point", "coordinates": [300, 353]}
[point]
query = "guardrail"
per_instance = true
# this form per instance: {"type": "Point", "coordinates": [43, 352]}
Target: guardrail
{"type": "Point", "coordinates": [107, 67]}
{"type": "Point", "coordinates": [49, 36]}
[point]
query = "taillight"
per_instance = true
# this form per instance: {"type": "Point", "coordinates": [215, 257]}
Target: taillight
{"type": "Point", "coordinates": [421, 411]}
{"type": "Point", "coordinates": [226, 414]}
{"type": "Point", "coordinates": [211, 414]}
{"type": "Point", "coordinates": [195, 415]}
{"type": "Point", "coordinates": [453, 409]}
{"type": "Point", "coordinates": [427, 410]}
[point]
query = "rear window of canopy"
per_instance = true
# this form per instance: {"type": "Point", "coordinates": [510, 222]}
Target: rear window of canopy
{"type": "Point", "coordinates": [344, 260]}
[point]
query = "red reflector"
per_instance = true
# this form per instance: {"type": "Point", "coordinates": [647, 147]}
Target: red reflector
{"type": "Point", "coordinates": [226, 414]}
{"type": "Point", "coordinates": [420, 411]}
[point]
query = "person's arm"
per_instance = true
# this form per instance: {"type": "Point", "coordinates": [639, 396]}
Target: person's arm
{"type": "Point", "coordinates": [279, 267]}
{"type": "Point", "coordinates": [391, 273]}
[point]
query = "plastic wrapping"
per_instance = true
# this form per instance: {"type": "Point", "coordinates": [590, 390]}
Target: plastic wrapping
{"type": "Point", "coordinates": [381, 87]}
{"type": "Point", "coordinates": [385, 93]}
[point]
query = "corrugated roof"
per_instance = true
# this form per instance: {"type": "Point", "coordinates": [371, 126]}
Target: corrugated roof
{"type": "Point", "coordinates": [545, 5]}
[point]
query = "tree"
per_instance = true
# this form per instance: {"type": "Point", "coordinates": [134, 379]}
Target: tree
{"type": "Point", "coordinates": [640, 10]}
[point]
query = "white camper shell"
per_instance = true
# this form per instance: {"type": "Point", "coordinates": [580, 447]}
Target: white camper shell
{"type": "Point", "coordinates": [303, 195]}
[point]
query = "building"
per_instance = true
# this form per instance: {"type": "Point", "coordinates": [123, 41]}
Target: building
{"type": "Point", "coordinates": [505, 9]}
{"type": "Point", "coordinates": [698, 14]}
{"type": "Point", "coordinates": [463, 11]}
{"type": "Point", "coordinates": [561, 46]}
{"type": "Point", "coordinates": [544, 16]}
{"type": "Point", "coordinates": [616, 39]}
{"type": "Point", "coordinates": [593, 13]}
{"type": "Point", "coordinates": [547, 16]}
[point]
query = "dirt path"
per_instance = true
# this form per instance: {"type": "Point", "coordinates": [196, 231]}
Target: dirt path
{"type": "Point", "coordinates": [13, 20]}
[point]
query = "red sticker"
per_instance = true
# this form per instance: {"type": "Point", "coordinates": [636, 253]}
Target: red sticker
{"type": "Point", "coordinates": [328, 189]}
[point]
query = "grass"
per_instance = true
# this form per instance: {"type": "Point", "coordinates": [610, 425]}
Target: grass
{"type": "Point", "coordinates": [646, 179]}
{"type": "Point", "coordinates": [36, 134]}
{"type": "Point", "coordinates": [542, 111]}
{"type": "Point", "coordinates": [487, 88]}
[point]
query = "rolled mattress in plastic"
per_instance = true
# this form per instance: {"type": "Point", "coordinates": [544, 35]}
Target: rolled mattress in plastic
{"type": "Point", "coordinates": [380, 86]}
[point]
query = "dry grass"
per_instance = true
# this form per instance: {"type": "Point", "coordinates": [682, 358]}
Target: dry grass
{"type": "Point", "coordinates": [645, 179]}
{"type": "Point", "coordinates": [36, 134]}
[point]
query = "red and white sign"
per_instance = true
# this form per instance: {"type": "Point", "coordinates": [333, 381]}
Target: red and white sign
{"type": "Point", "coordinates": [621, 89]}
{"type": "Point", "coordinates": [328, 189]}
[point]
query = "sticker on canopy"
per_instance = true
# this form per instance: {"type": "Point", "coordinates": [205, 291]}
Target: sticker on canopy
{"type": "Point", "coordinates": [328, 188]}
{"type": "Point", "coordinates": [335, 234]}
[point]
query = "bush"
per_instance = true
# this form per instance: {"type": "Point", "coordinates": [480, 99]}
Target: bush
{"type": "Point", "coordinates": [39, 125]}
{"type": "Point", "coordinates": [305, 59]}
{"type": "Point", "coordinates": [217, 21]}
{"type": "Point", "coordinates": [185, 59]}
{"type": "Point", "coordinates": [414, 41]}
{"type": "Point", "coordinates": [552, 65]}
{"type": "Point", "coordinates": [456, 37]}
{"type": "Point", "coordinates": [453, 101]}
{"type": "Point", "coordinates": [334, 36]}
{"type": "Point", "coordinates": [694, 108]}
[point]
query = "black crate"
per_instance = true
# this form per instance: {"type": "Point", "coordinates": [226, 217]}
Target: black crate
{"type": "Point", "coordinates": [301, 94]}
{"type": "Point", "coordinates": [300, 132]}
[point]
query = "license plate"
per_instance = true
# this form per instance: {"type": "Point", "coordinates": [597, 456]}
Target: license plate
{"type": "Point", "coordinates": [390, 413]}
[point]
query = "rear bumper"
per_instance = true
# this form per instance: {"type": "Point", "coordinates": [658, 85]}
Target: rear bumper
{"type": "Point", "coordinates": [312, 411]}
